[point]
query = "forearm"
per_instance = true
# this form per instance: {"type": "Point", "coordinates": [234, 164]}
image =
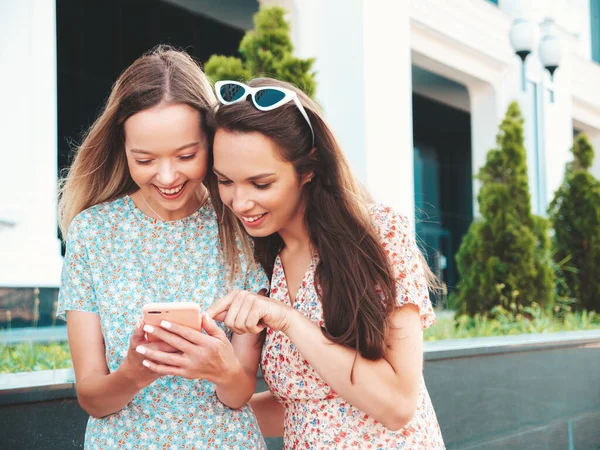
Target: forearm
{"type": "Point", "coordinates": [371, 386]}
{"type": "Point", "coordinates": [269, 414]}
{"type": "Point", "coordinates": [236, 389]}
{"type": "Point", "coordinates": [103, 394]}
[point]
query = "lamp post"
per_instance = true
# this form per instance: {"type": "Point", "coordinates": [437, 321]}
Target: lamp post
{"type": "Point", "coordinates": [550, 51]}
{"type": "Point", "coordinates": [522, 39]}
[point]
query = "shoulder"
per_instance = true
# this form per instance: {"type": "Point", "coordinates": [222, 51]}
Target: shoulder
{"type": "Point", "coordinates": [388, 221]}
{"type": "Point", "coordinates": [97, 218]}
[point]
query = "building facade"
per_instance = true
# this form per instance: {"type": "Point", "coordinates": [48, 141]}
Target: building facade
{"type": "Point", "coordinates": [414, 89]}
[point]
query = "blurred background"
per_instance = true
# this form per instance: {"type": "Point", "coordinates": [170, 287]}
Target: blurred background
{"type": "Point", "coordinates": [475, 118]}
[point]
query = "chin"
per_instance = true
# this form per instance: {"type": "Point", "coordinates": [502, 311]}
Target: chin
{"type": "Point", "coordinates": [258, 233]}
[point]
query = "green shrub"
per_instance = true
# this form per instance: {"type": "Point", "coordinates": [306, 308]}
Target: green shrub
{"type": "Point", "coordinates": [266, 51]}
{"type": "Point", "coordinates": [575, 216]}
{"type": "Point", "coordinates": [505, 256]}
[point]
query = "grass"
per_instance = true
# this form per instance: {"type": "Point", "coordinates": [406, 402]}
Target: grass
{"type": "Point", "coordinates": [507, 323]}
{"type": "Point", "coordinates": [31, 356]}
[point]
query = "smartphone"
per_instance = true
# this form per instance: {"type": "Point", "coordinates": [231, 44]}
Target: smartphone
{"type": "Point", "coordinates": [182, 313]}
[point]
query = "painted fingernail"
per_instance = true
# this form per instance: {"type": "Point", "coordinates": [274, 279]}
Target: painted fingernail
{"type": "Point", "coordinates": [141, 349]}
{"type": "Point", "coordinates": [138, 324]}
{"type": "Point", "coordinates": [207, 317]}
{"type": "Point", "coordinates": [148, 328]}
{"type": "Point", "coordinates": [146, 363]}
{"type": "Point", "coordinates": [165, 324]}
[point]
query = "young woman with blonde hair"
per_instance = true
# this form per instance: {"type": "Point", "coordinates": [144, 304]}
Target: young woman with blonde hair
{"type": "Point", "coordinates": [140, 227]}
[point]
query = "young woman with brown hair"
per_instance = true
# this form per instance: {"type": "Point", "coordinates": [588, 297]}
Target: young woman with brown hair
{"type": "Point", "coordinates": [343, 351]}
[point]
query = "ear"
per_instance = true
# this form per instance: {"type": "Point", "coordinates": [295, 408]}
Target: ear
{"type": "Point", "coordinates": [313, 156]}
{"type": "Point", "coordinates": [307, 178]}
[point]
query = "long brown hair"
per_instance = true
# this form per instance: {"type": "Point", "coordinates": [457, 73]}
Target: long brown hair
{"type": "Point", "coordinates": [99, 172]}
{"type": "Point", "coordinates": [354, 277]}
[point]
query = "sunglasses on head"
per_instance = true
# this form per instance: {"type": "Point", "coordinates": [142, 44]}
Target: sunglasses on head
{"type": "Point", "coordinates": [265, 98]}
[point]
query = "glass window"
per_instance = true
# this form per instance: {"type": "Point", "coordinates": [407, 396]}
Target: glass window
{"type": "Point", "coordinates": [595, 29]}
{"type": "Point", "coordinates": [534, 143]}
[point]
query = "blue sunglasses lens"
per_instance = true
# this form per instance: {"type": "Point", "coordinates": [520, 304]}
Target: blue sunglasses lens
{"type": "Point", "coordinates": [268, 97]}
{"type": "Point", "coordinates": [232, 92]}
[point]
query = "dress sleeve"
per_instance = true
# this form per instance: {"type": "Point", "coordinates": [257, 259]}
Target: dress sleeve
{"type": "Point", "coordinates": [76, 286]}
{"type": "Point", "coordinates": [251, 276]}
{"type": "Point", "coordinates": [255, 279]}
{"type": "Point", "coordinates": [398, 240]}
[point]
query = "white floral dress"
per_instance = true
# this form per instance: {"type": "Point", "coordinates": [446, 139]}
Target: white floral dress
{"type": "Point", "coordinates": [119, 259]}
{"type": "Point", "coordinates": [316, 417]}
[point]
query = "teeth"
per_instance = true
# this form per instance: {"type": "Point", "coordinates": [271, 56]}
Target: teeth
{"type": "Point", "coordinates": [251, 219]}
{"type": "Point", "coordinates": [171, 191]}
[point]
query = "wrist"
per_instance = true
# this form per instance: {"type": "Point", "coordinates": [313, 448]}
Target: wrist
{"type": "Point", "coordinates": [128, 376]}
{"type": "Point", "coordinates": [231, 376]}
{"type": "Point", "coordinates": [294, 320]}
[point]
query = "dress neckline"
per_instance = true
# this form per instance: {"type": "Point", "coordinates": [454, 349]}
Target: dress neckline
{"type": "Point", "coordinates": [168, 223]}
{"type": "Point", "coordinates": [303, 282]}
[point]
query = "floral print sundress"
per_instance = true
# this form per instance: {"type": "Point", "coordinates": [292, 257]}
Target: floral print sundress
{"type": "Point", "coordinates": [316, 417]}
{"type": "Point", "coordinates": [119, 259]}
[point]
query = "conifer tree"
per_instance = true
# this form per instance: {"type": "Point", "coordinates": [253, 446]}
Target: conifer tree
{"type": "Point", "coordinates": [504, 259]}
{"type": "Point", "coordinates": [266, 51]}
{"type": "Point", "coordinates": [575, 216]}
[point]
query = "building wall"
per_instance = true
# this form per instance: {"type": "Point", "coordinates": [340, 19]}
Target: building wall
{"type": "Point", "coordinates": [365, 53]}
{"type": "Point", "coordinates": [29, 246]}
{"type": "Point", "coordinates": [465, 42]}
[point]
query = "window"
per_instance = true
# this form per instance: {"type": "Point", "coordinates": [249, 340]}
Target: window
{"type": "Point", "coordinates": [537, 95]}
{"type": "Point", "coordinates": [595, 29]}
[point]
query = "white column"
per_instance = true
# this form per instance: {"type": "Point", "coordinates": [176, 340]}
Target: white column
{"type": "Point", "coordinates": [29, 247]}
{"type": "Point", "coordinates": [351, 42]}
{"type": "Point", "coordinates": [331, 32]}
{"type": "Point", "coordinates": [486, 115]}
{"type": "Point", "coordinates": [388, 104]}
{"type": "Point", "coordinates": [557, 122]}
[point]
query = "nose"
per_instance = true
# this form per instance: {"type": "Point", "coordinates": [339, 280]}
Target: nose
{"type": "Point", "coordinates": [241, 201]}
{"type": "Point", "coordinates": [167, 174]}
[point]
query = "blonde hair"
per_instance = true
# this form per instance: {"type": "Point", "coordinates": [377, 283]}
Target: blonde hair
{"type": "Point", "coordinates": [99, 172]}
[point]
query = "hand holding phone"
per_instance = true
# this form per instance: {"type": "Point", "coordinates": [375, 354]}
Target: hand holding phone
{"type": "Point", "coordinates": [183, 313]}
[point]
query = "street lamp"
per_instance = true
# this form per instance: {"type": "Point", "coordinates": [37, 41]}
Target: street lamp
{"type": "Point", "coordinates": [522, 39]}
{"type": "Point", "coordinates": [550, 52]}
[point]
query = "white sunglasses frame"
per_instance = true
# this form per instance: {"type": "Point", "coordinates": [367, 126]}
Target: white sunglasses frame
{"type": "Point", "coordinates": [288, 95]}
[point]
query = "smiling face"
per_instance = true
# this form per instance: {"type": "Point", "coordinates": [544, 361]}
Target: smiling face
{"type": "Point", "coordinates": [167, 156]}
{"type": "Point", "coordinates": [262, 189]}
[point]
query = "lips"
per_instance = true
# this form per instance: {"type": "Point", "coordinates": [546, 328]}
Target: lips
{"type": "Point", "coordinates": [171, 193]}
{"type": "Point", "coordinates": [253, 221]}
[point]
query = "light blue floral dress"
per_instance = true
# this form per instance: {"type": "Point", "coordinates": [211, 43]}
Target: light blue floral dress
{"type": "Point", "coordinates": [119, 259]}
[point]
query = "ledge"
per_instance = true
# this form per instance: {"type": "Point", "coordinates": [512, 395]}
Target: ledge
{"type": "Point", "coordinates": [33, 334]}
{"type": "Point", "coordinates": [28, 387]}
{"type": "Point", "coordinates": [53, 384]}
{"type": "Point", "coordinates": [462, 348]}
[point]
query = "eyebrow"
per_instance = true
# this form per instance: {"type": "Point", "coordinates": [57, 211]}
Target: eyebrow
{"type": "Point", "coordinates": [252, 178]}
{"type": "Point", "coordinates": [146, 152]}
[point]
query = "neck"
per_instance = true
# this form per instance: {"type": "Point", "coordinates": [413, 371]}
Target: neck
{"type": "Point", "coordinates": [156, 212]}
{"type": "Point", "coordinates": [295, 234]}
